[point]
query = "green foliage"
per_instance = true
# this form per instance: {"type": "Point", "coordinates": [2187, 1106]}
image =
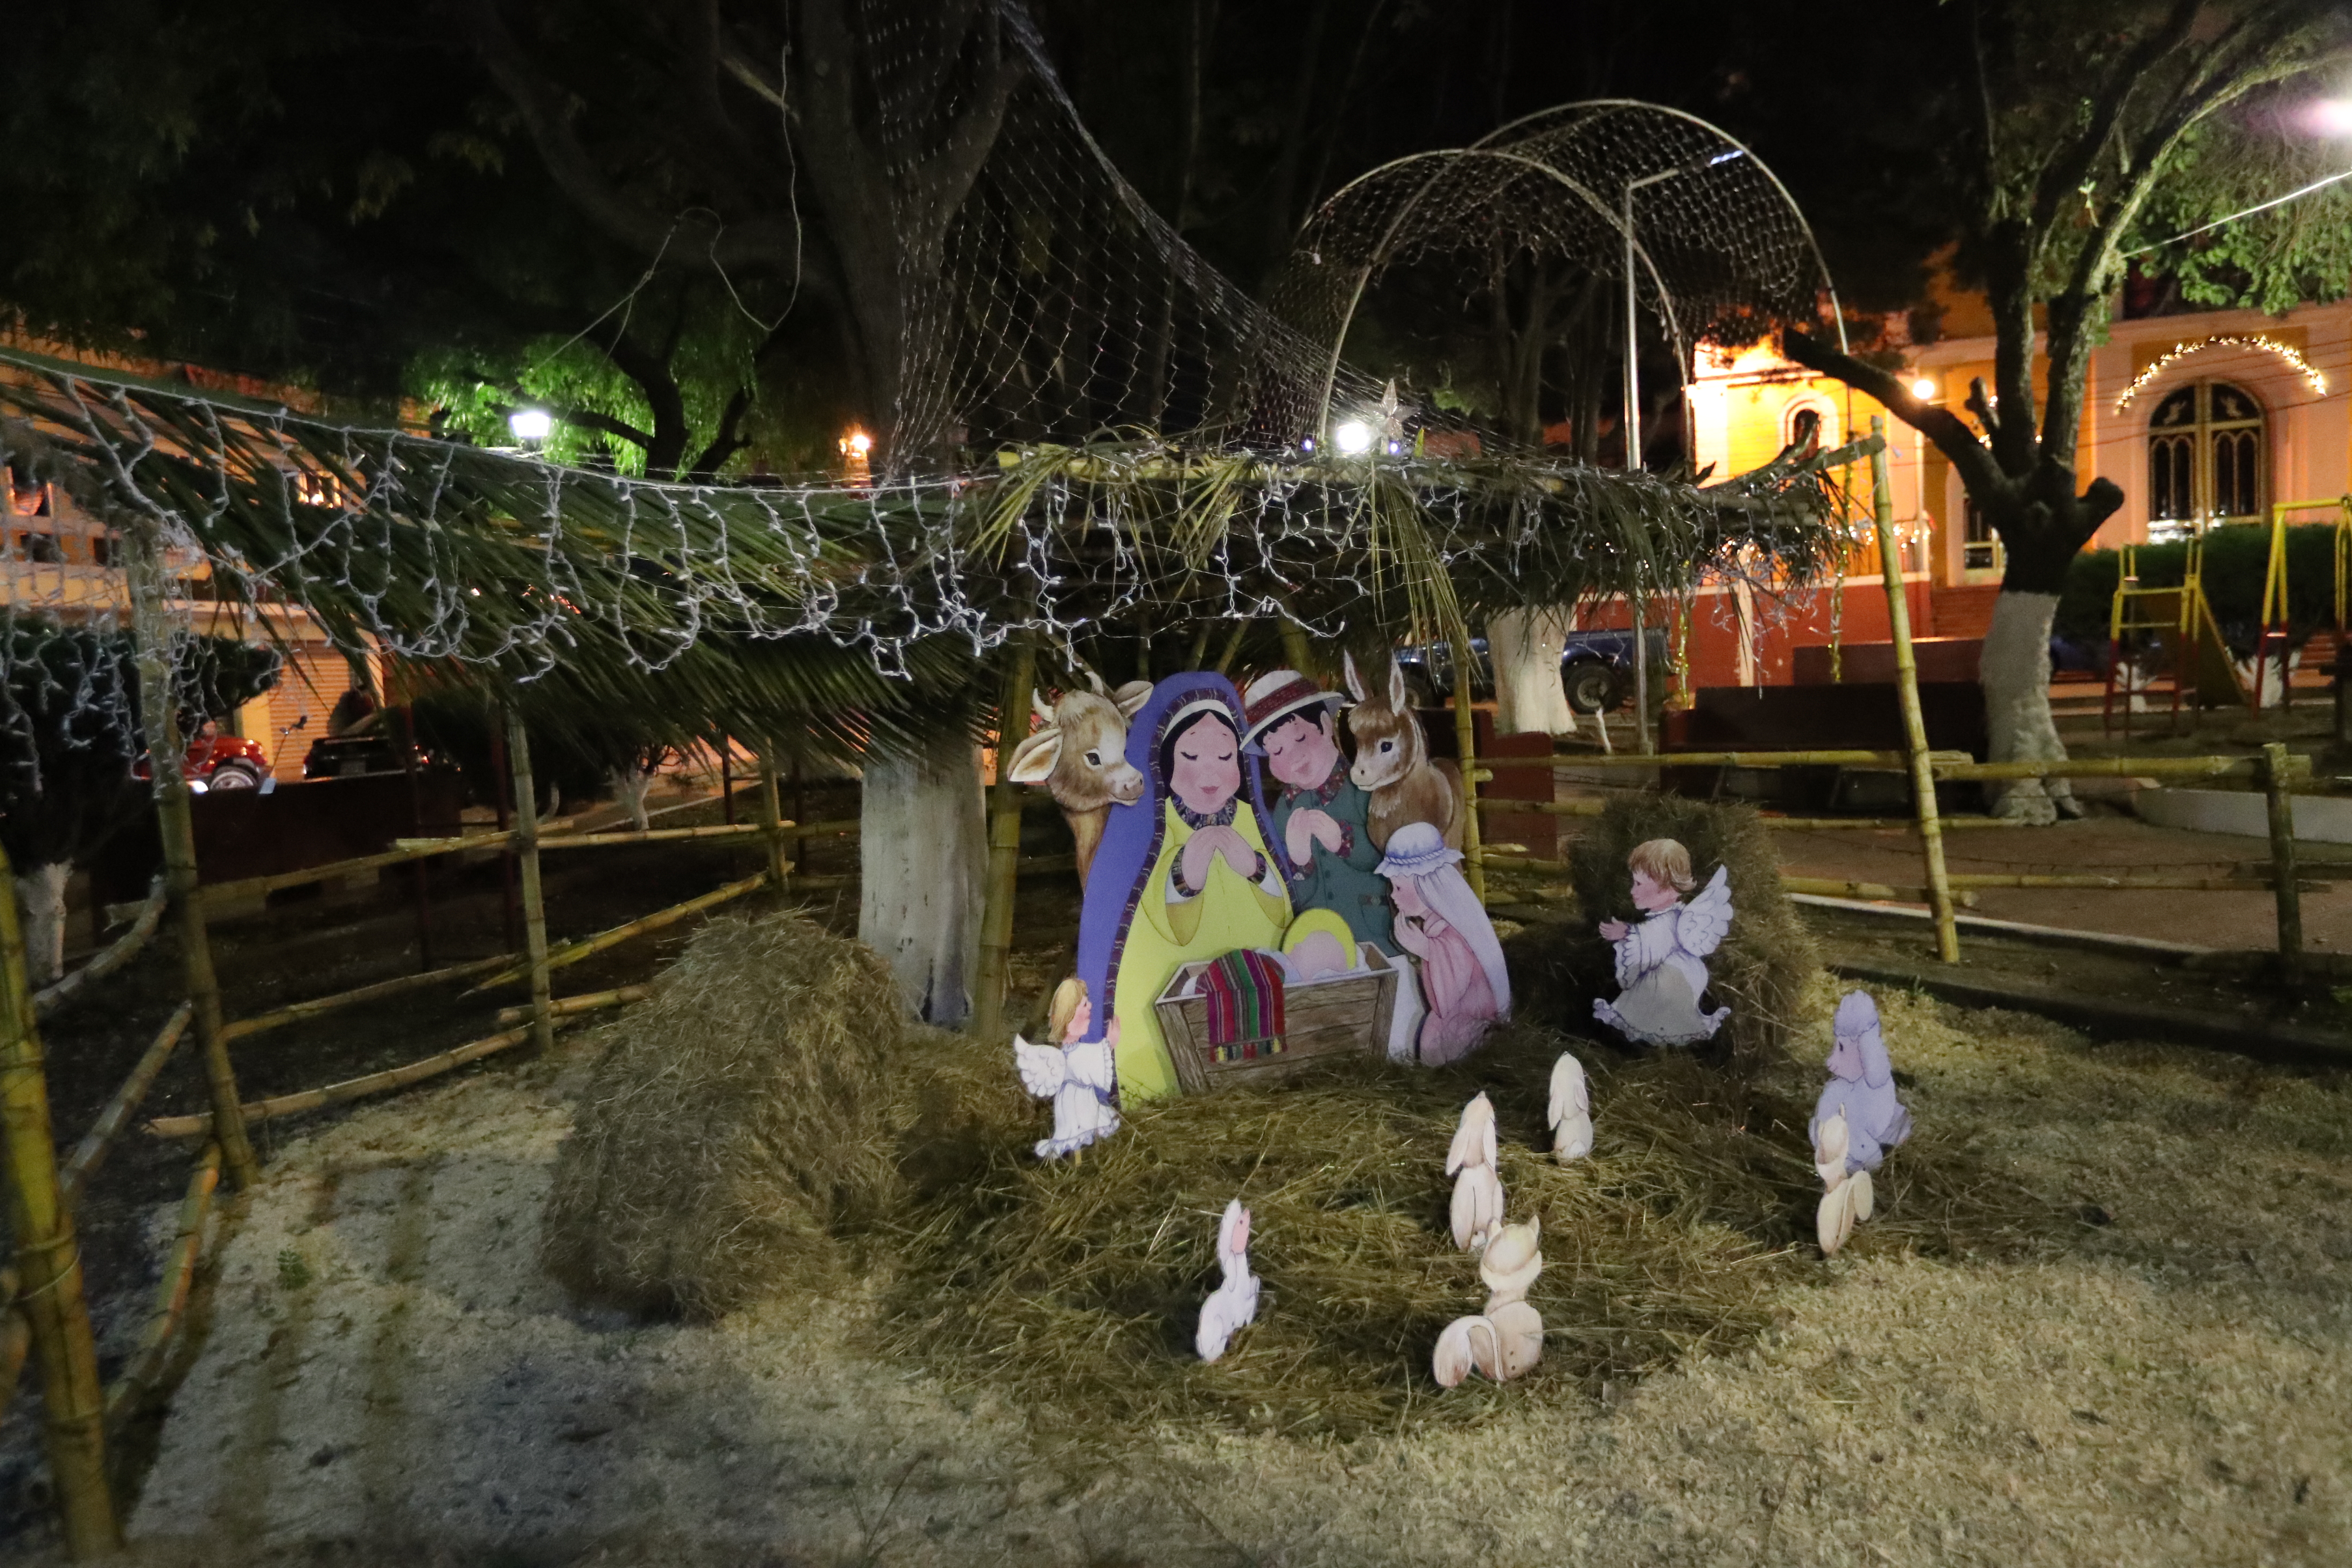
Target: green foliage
{"type": "Point", "coordinates": [473, 390]}
{"type": "Point", "coordinates": [2236, 560]}
{"type": "Point", "coordinates": [2295, 253]}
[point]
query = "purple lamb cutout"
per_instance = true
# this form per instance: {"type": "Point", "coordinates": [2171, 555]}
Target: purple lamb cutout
{"type": "Point", "coordinates": [1861, 1083]}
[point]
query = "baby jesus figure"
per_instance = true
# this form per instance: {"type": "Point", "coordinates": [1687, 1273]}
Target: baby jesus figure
{"type": "Point", "coordinates": [1658, 961]}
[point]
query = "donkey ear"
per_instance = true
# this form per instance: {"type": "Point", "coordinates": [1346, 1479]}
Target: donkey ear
{"type": "Point", "coordinates": [1399, 697]}
{"type": "Point", "coordinates": [1355, 681]}
{"type": "Point", "coordinates": [1131, 698]}
{"type": "Point", "coordinates": [1034, 759]}
{"type": "Point", "coordinates": [1039, 706]}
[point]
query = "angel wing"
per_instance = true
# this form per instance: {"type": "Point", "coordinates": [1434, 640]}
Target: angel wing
{"type": "Point", "coordinates": [1044, 1069]}
{"type": "Point", "coordinates": [1706, 918]}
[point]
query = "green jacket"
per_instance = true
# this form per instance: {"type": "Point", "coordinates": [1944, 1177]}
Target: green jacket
{"type": "Point", "coordinates": [1342, 881]}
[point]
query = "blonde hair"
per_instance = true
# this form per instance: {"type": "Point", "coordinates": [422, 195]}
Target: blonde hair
{"type": "Point", "coordinates": [1065, 1006]}
{"type": "Point", "coordinates": [1665, 862]}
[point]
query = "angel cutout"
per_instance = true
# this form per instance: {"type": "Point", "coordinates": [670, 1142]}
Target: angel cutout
{"type": "Point", "coordinates": [1658, 961]}
{"type": "Point", "coordinates": [1079, 1079]}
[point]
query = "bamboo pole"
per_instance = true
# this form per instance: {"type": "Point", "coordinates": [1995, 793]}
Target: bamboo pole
{"type": "Point", "coordinates": [534, 910]}
{"type": "Point", "coordinates": [91, 1151]}
{"type": "Point", "coordinates": [1807, 824]}
{"type": "Point", "coordinates": [125, 947]}
{"type": "Point", "coordinates": [1466, 742]}
{"type": "Point", "coordinates": [772, 822]}
{"type": "Point", "coordinates": [166, 754]}
{"type": "Point", "coordinates": [2111, 768]}
{"type": "Point", "coordinates": [49, 1260]}
{"type": "Point", "coordinates": [572, 953]}
{"type": "Point", "coordinates": [1297, 648]}
{"type": "Point", "coordinates": [353, 1088]}
{"type": "Point", "coordinates": [1906, 689]}
{"type": "Point", "coordinates": [2278, 776]}
{"type": "Point", "coordinates": [1004, 846]}
{"type": "Point", "coordinates": [319, 1006]}
{"type": "Point", "coordinates": [589, 1002]}
{"type": "Point", "coordinates": [1841, 758]}
{"type": "Point", "coordinates": [170, 1291]}
{"type": "Point", "coordinates": [15, 1341]}
{"type": "Point", "coordinates": [1232, 646]}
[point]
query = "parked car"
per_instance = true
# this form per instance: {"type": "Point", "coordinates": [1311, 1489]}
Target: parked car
{"type": "Point", "coordinates": [1596, 669]}
{"type": "Point", "coordinates": [218, 762]}
{"type": "Point", "coordinates": [355, 756]}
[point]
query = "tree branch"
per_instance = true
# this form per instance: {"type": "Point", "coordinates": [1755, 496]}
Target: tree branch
{"type": "Point", "coordinates": [696, 239]}
{"type": "Point", "coordinates": [1952, 437]}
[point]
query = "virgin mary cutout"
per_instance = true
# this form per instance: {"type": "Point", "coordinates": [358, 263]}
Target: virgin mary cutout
{"type": "Point", "coordinates": [1189, 871]}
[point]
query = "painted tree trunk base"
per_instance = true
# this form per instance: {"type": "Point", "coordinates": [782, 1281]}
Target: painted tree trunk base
{"type": "Point", "coordinates": [41, 896]}
{"type": "Point", "coordinates": [1525, 648]}
{"type": "Point", "coordinates": [2016, 675]}
{"type": "Point", "coordinates": [923, 863]}
{"type": "Point", "coordinates": [632, 785]}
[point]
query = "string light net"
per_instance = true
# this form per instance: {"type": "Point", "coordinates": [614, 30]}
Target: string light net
{"type": "Point", "coordinates": [1052, 326]}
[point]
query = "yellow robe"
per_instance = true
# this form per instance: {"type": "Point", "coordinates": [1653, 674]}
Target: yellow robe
{"type": "Point", "coordinates": [1230, 912]}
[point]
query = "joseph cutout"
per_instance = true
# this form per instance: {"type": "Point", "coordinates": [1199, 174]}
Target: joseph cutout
{"type": "Point", "coordinates": [1321, 815]}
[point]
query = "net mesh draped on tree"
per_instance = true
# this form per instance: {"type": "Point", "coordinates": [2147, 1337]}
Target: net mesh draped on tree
{"type": "Point", "coordinates": [1720, 252]}
{"type": "Point", "coordinates": [1055, 304]}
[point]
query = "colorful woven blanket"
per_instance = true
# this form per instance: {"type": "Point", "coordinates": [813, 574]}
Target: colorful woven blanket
{"type": "Point", "coordinates": [1243, 990]}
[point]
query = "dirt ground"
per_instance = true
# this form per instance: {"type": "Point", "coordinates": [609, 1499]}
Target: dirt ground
{"type": "Point", "coordinates": [375, 1370]}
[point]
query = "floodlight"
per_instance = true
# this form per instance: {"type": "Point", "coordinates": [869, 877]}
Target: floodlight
{"type": "Point", "coordinates": [530, 424]}
{"type": "Point", "coordinates": [2330, 117]}
{"type": "Point", "coordinates": [1353, 438]}
{"type": "Point", "coordinates": [1923, 389]}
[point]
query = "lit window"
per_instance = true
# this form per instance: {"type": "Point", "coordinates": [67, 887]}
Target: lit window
{"type": "Point", "coordinates": [2206, 454]}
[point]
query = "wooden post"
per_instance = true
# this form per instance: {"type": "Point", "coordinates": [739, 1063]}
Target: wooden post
{"type": "Point", "coordinates": [1466, 742]}
{"type": "Point", "coordinates": [1906, 686]}
{"type": "Point", "coordinates": [1003, 847]}
{"type": "Point", "coordinates": [1297, 648]}
{"type": "Point", "coordinates": [534, 912]}
{"type": "Point", "coordinates": [2278, 772]}
{"type": "Point", "coordinates": [1642, 740]}
{"type": "Point", "coordinates": [772, 822]}
{"type": "Point", "coordinates": [166, 757]}
{"type": "Point", "coordinates": [48, 1262]}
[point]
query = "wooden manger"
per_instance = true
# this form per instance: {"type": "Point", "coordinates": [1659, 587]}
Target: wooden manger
{"type": "Point", "coordinates": [1322, 1018]}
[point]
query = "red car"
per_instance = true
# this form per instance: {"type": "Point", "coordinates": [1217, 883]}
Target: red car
{"type": "Point", "coordinates": [216, 761]}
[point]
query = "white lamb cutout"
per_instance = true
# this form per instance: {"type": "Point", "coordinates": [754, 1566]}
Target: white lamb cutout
{"type": "Point", "coordinates": [1233, 1302]}
{"type": "Point", "coordinates": [1570, 1112]}
{"type": "Point", "coordinates": [1477, 1190]}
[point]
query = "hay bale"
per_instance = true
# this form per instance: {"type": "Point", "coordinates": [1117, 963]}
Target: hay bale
{"type": "Point", "coordinates": [735, 1125]}
{"type": "Point", "coordinates": [1763, 968]}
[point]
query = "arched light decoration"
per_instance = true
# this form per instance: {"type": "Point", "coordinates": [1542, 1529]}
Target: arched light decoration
{"type": "Point", "coordinates": [2312, 375]}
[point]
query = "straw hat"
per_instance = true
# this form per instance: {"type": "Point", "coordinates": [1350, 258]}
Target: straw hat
{"type": "Point", "coordinates": [1276, 696]}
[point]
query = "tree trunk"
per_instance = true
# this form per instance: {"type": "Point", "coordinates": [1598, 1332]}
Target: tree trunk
{"type": "Point", "coordinates": [41, 895]}
{"type": "Point", "coordinates": [631, 784]}
{"type": "Point", "coordinates": [923, 862]}
{"type": "Point", "coordinates": [2017, 705]}
{"type": "Point", "coordinates": [1525, 648]}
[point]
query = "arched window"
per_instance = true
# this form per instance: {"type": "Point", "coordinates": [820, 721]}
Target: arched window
{"type": "Point", "coordinates": [2206, 454]}
{"type": "Point", "coordinates": [1807, 414]}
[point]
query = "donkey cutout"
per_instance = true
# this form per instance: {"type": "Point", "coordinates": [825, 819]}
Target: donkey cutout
{"type": "Point", "coordinates": [1393, 765]}
{"type": "Point", "coordinates": [1080, 756]}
